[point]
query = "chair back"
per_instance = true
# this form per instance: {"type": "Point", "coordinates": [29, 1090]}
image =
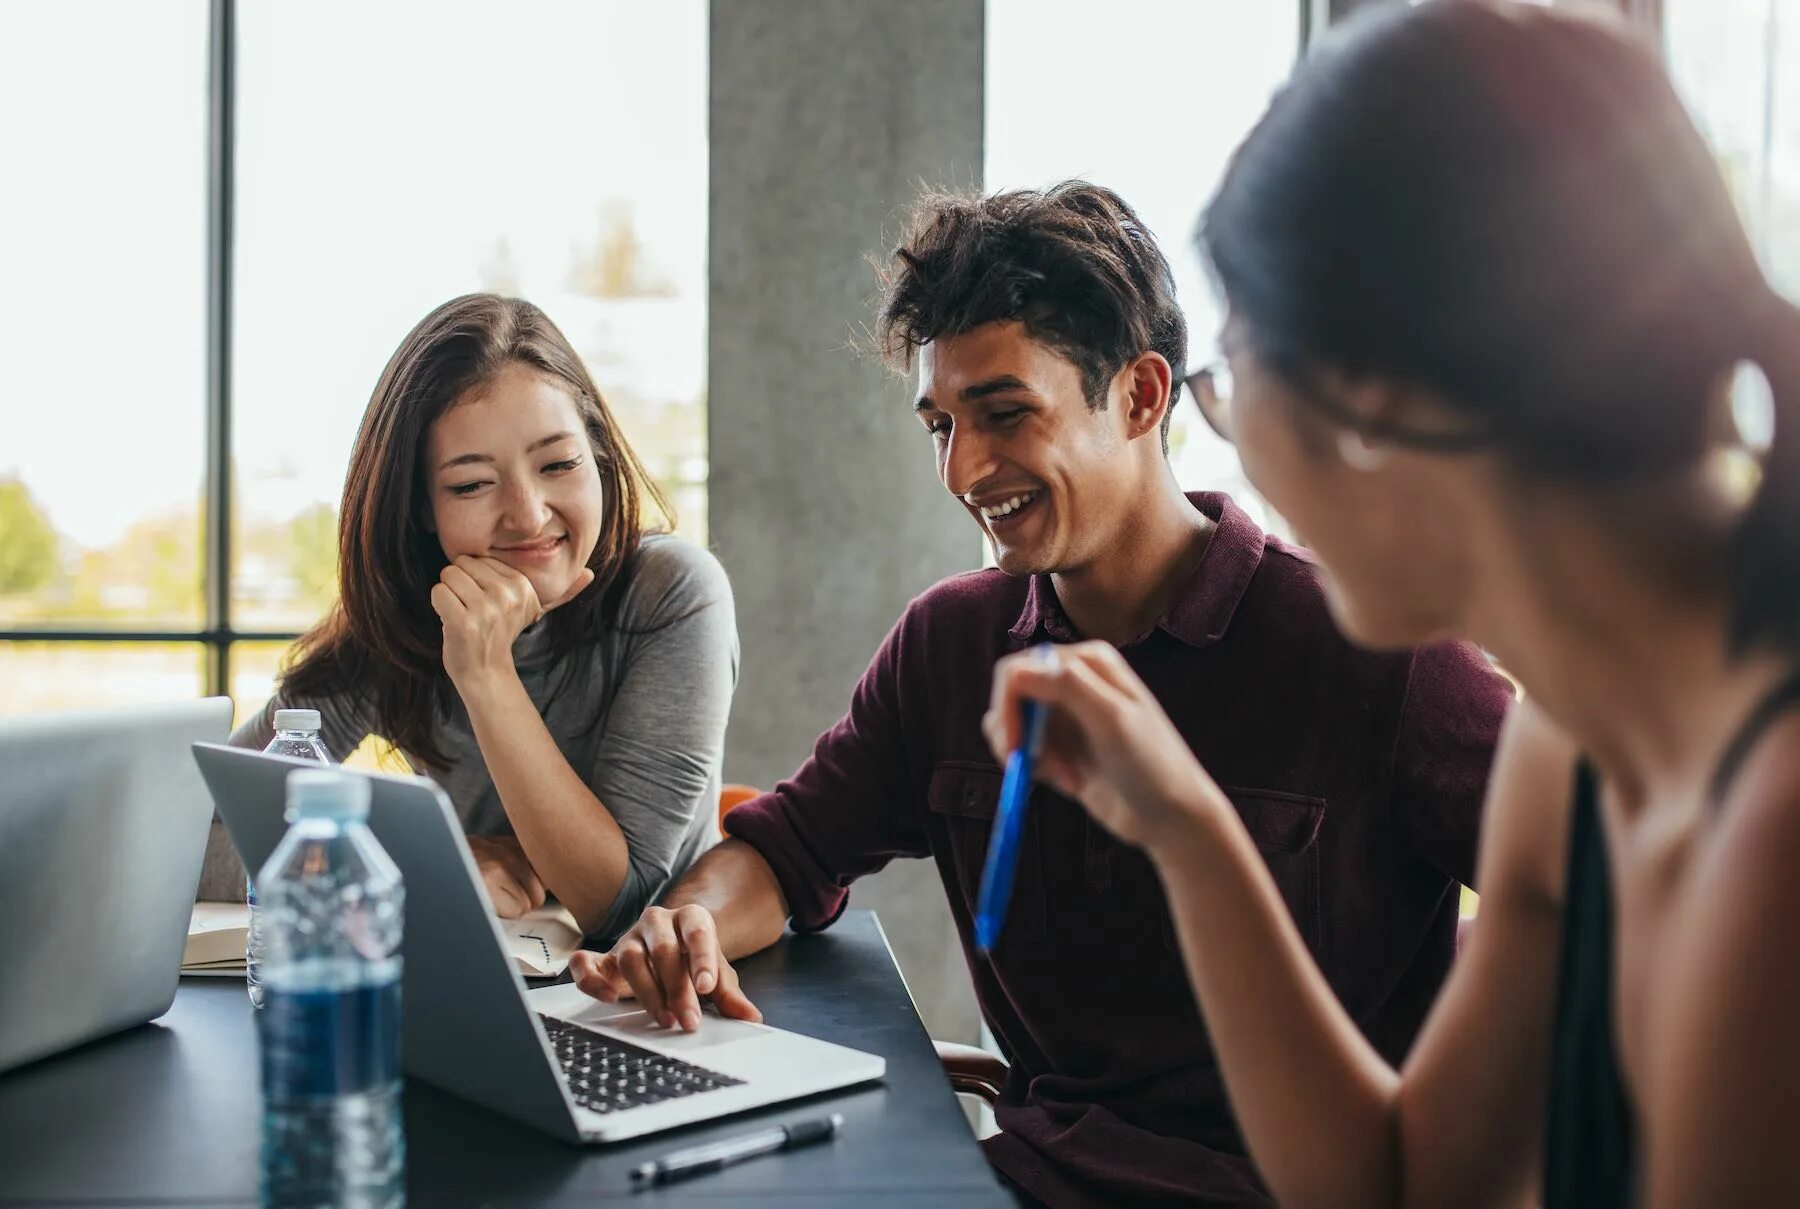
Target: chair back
{"type": "Point", "coordinates": [733, 796]}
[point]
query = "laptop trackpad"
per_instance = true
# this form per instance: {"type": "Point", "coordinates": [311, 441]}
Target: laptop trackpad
{"type": "Point", "coordinates": [632, 1023]}
{"type": "Point", "coordinates": [714, 1030]}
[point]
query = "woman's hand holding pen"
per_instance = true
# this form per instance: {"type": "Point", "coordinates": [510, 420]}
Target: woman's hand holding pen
{"type": "Point", "coordinates": [484, 605]}
{"type": "Point", "coordinates": [1108, 743]}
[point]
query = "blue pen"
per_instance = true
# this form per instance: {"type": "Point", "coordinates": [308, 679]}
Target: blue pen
{"type": "Point", "coordinates": [1009, 821]}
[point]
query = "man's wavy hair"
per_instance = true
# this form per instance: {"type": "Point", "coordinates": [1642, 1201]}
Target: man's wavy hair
{"type": "Point", "coordinates": [1072, 263]}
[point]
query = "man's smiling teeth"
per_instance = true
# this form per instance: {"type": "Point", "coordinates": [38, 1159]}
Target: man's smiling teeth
{"type": "Point", "coordinates": [1008, 507]}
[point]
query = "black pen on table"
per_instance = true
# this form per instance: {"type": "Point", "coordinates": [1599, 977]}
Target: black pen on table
{"type": "Point", "coordinates": [696, 1160]}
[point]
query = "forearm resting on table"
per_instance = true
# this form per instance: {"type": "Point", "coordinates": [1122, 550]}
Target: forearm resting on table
{"type": "Point", "coordinates": [571, 839]}
{"type": "Point", "coordinates": [739, 889]}
{"type": "Point", "coordinates": [1317, 1104]}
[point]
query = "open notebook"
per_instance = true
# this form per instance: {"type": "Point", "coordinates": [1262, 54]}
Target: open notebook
{"type": "Point", "coordinates": [541, 942]}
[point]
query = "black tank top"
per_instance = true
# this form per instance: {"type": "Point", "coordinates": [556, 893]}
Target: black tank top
{"type": "Point", "coordinates": [1591, 1156]}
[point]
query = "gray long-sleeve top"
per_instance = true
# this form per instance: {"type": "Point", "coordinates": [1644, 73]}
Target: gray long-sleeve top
{"type": "Point", "coordinates": [660, 684]}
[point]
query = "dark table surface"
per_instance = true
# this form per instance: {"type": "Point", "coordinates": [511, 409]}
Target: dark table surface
{"type": "Point", "coordinates": [169, 1113]}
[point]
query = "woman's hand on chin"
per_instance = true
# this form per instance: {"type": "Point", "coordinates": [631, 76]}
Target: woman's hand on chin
{"type": "Point", "coordinates": [484, 605]}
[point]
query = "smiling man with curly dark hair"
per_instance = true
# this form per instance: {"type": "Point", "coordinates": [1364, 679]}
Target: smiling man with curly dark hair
{"type": "Point", "coordinates": [1048, 348]}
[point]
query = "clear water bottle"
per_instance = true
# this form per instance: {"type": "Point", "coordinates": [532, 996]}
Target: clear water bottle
{"type": "Point", "coordinates": [296, 735]}
{"type": "Point", "coordinates": [333, 907]}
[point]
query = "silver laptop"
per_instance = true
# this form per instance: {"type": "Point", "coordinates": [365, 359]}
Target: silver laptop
{"type": "Point", "coordinates": [551, 1058]}
{"type": "Point", "coordinates": [103, 824]}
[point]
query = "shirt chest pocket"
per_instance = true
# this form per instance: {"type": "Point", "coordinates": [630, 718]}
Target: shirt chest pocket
{"type": "Point", "coordinates": [1285, 829]}
{"type": "Point", "coordinates": [964, 799]}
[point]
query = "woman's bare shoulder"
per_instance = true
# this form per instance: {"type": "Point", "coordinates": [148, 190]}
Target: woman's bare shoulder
{"type": "Point", "coordinates": [1721, 1023]}
{"type": "Point", "coordinates": [1526, 819]}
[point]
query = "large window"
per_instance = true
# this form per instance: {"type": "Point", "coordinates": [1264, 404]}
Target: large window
{"type": "Point", "coordinates": [102, 321]}
{"type": "Point", "coordinates": [1737, 64]}
{"type": "Point", "coordinates": [190, 338]}
{"type": "Point", "coordinates": [386, 158]}
{"type": "Point", "coordinates": [1059, 105]}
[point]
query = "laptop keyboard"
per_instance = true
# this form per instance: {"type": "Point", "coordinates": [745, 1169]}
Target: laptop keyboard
{"type": "Point", "coordinates": [608, 1075]}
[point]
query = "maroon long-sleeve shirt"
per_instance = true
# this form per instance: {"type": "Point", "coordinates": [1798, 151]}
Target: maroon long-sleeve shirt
{"type": "Point", "coordinates": [1358, 774]}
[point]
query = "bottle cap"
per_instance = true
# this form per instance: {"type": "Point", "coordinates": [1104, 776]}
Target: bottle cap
{"type": "Point", "coordinates": [326, 793]}
{"type": "Point", "coordinates": [296, 719]}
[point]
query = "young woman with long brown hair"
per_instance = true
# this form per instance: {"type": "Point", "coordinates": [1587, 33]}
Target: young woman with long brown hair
{"type": "Point", "coordinates": [506, 622]}
{"type": "Point", "coordinates": [1486, 296]}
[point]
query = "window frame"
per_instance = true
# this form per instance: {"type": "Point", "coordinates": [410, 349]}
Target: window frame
{"type": "Point", "coordinates": [218, 635]}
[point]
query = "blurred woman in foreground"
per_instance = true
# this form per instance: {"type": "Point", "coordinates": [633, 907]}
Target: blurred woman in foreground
{"type": "Point", "coordinates": [1487, 296]}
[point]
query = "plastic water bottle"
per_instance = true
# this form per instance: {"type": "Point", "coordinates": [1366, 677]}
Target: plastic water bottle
{"type": "Point", "coordinates": [333, 909]}
{"type": "Point", "coordinates": [296, 735]}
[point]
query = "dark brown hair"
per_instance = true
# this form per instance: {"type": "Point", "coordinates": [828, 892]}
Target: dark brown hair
{"type": "Point", "coordinates": [1072, 263]}
{"type": "Point", "coordinates": [1509, 206]}
{"type": "Point", "coordinates": [382, 643]}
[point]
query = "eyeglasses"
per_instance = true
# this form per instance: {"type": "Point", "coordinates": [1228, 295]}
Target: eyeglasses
{"type": "Point", "coordinates": [1211, 387]}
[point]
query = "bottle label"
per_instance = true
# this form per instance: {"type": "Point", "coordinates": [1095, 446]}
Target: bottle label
{"type": "Point", "coordinates": [319, 1043]}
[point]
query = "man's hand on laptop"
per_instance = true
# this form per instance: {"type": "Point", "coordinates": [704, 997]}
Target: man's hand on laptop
{"type": "Point", "coordinates": [669, 961]}
{"type": "Point", "coordinates": [511, 881]}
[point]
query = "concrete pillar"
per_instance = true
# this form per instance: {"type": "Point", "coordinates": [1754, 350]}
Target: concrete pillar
{"type": "Point", "coordinates": [826, 116]}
